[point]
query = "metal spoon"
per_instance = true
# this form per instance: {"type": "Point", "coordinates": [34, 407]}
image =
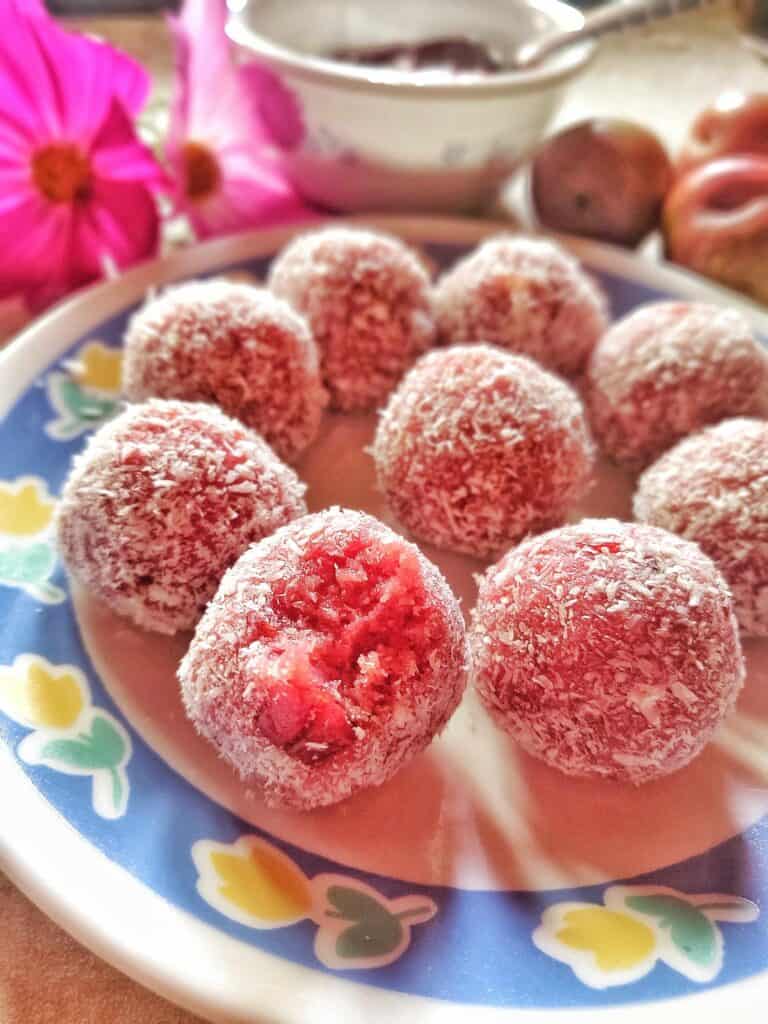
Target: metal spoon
{"type": "Point", "coordinates": [612, 17]}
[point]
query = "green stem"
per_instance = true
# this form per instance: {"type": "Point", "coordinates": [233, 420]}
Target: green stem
{"type": "Point", "coordinates": [117, 787]}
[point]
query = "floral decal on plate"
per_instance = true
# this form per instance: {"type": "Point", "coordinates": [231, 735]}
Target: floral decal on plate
{"type": "Point", "coordinates": [622, 940]}
{"type": "Point", "coordinates": [69, 734]}
{"type": "Point", "coordinates": [27, 553]}
{"type": "Point", "coordinates": [86, 392]}
{"type": "Point", "coordinates": [252, 882]}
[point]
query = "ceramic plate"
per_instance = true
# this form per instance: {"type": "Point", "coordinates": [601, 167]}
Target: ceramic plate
{"type": "Point", "coordinates": [478, 884]}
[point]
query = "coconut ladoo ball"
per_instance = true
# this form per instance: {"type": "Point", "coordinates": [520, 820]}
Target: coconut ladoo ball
{"type": "Point", "coordinates": [478, 447]}
{"type": "Point", "coordinates": [607, 649]}
{"type": "Point", "coordinates": [333, 652]}
{"type": "Point", "coordinates": [527, 295]}
{"type": "Point", "coordinates": [712, 488]}
{"type": "Point", "coordinates": [235, 345]}
{"type": "Point", "coordinates": [667, 370]}
{"type": "Point", "coordinates": [162, 501]}
{"type": "Point", "coordinates": [368, 301]}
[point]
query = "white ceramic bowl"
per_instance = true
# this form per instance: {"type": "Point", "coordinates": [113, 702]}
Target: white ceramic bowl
{"type": "Point", "coordinates": [357, 138]}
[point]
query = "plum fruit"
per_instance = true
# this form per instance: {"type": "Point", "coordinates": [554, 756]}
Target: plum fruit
{"type": "Point", "coordinates": [603, 178]}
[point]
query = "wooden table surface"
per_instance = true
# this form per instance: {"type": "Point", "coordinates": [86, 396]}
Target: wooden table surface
{"type": "Point", "coordinates": [661, 76]}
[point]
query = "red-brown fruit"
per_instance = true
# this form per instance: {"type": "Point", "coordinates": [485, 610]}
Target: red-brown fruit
{"type": "Point", "coordinates": [736, 124]}
{"type": "Point", "coordinates": [601, 178]}
{"type": "Point", "coordinates": [716, 222]}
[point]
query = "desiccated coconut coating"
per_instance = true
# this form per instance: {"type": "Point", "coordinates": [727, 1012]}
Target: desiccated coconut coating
{"type": "Point", "coordinates": [527, 295]}
{"type": "Point", "coordinates": [162, 501]}
{"type": "Point", "coordinates": [368, 301]}
{"type": "Point", "coordinates": [607, 649]}
{"type": "Point", "coordinates": [478, 447]}
{"type": "Point", "coordinates": [235, 345]}
{"type": "Point", "coordinates": [332, 653]}
{"type": "Point", "coordinates": [712, 488]}
{"type": "Point", "coordinates": [666, 370]}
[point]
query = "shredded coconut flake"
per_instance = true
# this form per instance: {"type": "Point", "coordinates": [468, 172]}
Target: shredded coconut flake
{"type": "Point", "coordinates": [332, 653]}
{"type": "Point", "coordinates": [478, 447]}
{"type": "Point", "coordinates": [234, 345]}
{"type": "Point", "coordinates": [630, 696]}
{"type": "Point", "coordinates": [162, 501]}
{"type": "Point", "coordinates": [712, 488]}
{"type": "Point", "coordinates": [668, 369]}
{"type": "Point", "coordinates": [528, 295]}
{"type": "Point", "coordinates": [368, 301]}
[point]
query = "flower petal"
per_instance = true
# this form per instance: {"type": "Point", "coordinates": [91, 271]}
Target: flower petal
{"type": "Point", "coordinates": [276, 106]}
{"type": "Point", "coordinates": [56, 84]}
{"type": "Point", "coordinates": [120, 223]}
{"type": "Point", "coordinates": [29, 98]}
{"type": "Point", "coordinates": [117, 153]}
{"type": "Point", "coordinates": [209, 103]}
{"type": "Point", "coordinates": [40, 233]}
{"type": "Point", "coordinates": [246, 202]}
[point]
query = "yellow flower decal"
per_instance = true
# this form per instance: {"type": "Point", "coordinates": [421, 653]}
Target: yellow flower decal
{"type": "Point", "coordinates": [98, 368]}
{"type": "Point", "coordinates": [69, 734]}
{"type": "Point", "coordinates": [42, 696]}
{"type": "Point", "coordinates": [86, 393]}
{"type": "Point", "coordinates": [26, 507]}
{"type": "Point", "coordinates": [252, 882]}
{"type": "Point", "coordinates": [639, 925]}
{"type": "Point", "coordinates": [27, 555]}
{"type": "Point", "coordinates": [619, 942]}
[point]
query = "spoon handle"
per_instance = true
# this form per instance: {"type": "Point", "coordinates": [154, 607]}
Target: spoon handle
{"type": "Point", "coordinates": [612, 17]}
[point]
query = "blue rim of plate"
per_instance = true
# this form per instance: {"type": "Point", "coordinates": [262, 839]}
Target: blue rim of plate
{"type": "Point", "coordinates": [520, 961]}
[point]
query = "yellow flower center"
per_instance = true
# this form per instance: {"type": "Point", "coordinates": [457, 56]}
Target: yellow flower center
{"type": "Point", "coordinates": [201, 170]}
{"type": "Point", "coordinates": [62, 173]}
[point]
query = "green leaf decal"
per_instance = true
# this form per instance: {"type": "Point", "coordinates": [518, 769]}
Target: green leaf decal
{"type": "Point", "coordinates": [107, 741]}
{"type": "Point", "coordinates": [77, 753]}
{"type": "Point", "coordinates": [27, 565]}
{"type": "Point", "coordinates": [369, 940]}
{"type": "Point", "coordinates": [690, 930]}
{"type": "Point", "coordinates": [82, 405]}
{"type": "Point", "coordinates": [101, 749]}
{"type": "Point", "coordinates": [376, 931]}
{"type": "Point", "coordinates": [354, 905]}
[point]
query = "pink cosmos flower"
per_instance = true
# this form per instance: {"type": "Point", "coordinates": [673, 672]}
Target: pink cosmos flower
{"type": "Point", "coordinates": [220, 152]}
{"type": "Point", "coordinates": [76, 184]}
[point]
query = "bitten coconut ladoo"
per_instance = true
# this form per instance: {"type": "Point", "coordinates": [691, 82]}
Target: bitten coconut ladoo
{"type": "Point", "coordinates": [478, 447]}
{"type": "Point", "coordinates": [712, 488]}
{"type": "Point", "coordinates": [527, 295]}
{"type": "Point", "coordinates": [333, 652]}
{"type": "Point", "coordinates": [235, 345]}
{"type": "Point", "coordinates": [607, 649]}
{"type": "Point", "coordinates": [368, 301]}
{"type": "Point", "coordinates": [669, 369]}
{"type": "Point", "coordinates": [162, 501]}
